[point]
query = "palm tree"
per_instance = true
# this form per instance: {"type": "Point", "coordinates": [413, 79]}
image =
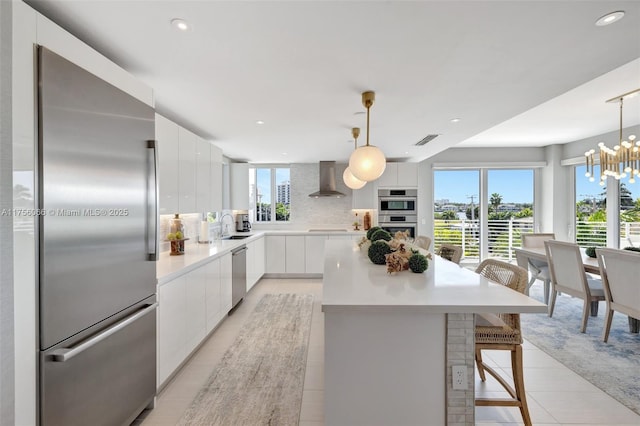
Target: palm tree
{"type": "Point", "coordinates": [495, 201]}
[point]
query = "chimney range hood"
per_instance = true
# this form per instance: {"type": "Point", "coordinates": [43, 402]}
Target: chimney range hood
{"type": "Point", "coordinates": [327, 181]}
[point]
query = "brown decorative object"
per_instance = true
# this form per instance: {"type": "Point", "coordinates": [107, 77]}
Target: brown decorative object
{"type": "Point", "coordinates": [367, 221]}
{"type": "Point", "coordinates": [177, 247]}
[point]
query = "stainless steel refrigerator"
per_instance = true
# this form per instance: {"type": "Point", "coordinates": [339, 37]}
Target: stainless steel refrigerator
{"type": "Point", "coordinates": [97, 238]}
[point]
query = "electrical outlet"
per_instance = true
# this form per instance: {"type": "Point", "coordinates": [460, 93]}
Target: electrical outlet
{"type": "Point", "coordinates": [459, 377]}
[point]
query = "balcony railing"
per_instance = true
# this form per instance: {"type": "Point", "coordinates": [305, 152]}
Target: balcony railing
{"type": "Point", "coordinates": [504, 235]}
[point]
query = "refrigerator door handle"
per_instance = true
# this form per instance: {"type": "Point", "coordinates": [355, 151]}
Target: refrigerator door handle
{"type": "Point", "coordinates": [152, 234]}
{"type": "Point", "coordinates": [65, 354]}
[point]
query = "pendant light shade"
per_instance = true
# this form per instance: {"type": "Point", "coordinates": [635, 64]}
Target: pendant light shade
{"type": "Point", "coordinates": [367, 162]}
{"type": "Point", "coordinates": [351, 181]}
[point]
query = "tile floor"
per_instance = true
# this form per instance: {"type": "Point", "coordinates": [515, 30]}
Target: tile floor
{"type": "Point", "coordinates": [556, 395]}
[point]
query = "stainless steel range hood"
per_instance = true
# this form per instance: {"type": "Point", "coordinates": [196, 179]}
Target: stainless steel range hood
{"type": "Point", "coordinates": [327, 181]}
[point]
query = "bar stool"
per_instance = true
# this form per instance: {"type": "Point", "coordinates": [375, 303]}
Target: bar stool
{"type": "Point", "coordinates": [502, 332]}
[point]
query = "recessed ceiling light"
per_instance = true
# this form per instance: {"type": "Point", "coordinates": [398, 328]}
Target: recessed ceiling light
{"type": "Point", "coordinates": [284, 153]}
{"type": "Point", "coordinates": [259, 122]}
{"type": "Point", "coordinates": [610, 18]}
{"type": "Point", "coordinates": [180, 24]}
{"type": "Point", "coordinates": [406, 152]}
{"type": "Point", "coordinates": [455, 120]}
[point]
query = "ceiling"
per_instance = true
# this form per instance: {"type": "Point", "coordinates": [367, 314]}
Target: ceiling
{"type": "Point", "coordinates": [516, 73]}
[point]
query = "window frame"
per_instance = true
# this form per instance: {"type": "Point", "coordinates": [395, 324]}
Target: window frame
{"type": "Point", "coordinates": [274, 192]}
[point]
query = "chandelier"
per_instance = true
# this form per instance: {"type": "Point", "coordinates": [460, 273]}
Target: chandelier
{"type": "Point", "coordinates": [621, 161]}
{"type": "Point", "coordinates": [349, 179]}
{"type": "Point", "coordinates": [367, 162]}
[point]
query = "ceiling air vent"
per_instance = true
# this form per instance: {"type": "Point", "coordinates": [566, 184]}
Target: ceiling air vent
{"type": "Point", "coordinates": [426, 139]}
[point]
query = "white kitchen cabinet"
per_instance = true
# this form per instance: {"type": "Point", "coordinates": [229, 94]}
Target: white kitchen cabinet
{"type": "Point", "coordinates": [203, 176]}
{"type": "Point", "coordinates": [213, 294]}
{"type": "Point", "coordinates": [167, 138]}
{"type": "Point", "coordinates": [196, 315]}
{"type": "Point", "coordinates": [314, 253]}
{"type": "Point", "coordinates": [399, 175]}
{"type": "Point", "coordinates": [407, 175]}
{"type": "Point", "coordinates": [364, 198]}
{"type": "Point", "coordinates": [187, 171]}
{"type": "Point", "coordinates": [172, 323]}
{"type": "Point", "coordinates": [216, 185]}
{"type": "Point", "coordinates": [240, 193]}
{"type": "Point", "coordinates": [225, 284]}
{"type": "Point", "coordinates": [251, 265]}
{"type": "Point", "coordinates": [275, 247]}
{"type": "Point", "coordinates": [295, 254]}
{"type": "Point", "coordinates": [255, 262]}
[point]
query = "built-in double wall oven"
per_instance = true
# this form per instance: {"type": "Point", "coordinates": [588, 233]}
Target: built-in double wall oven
{"type": "Point", "coordinates": [397, 210]}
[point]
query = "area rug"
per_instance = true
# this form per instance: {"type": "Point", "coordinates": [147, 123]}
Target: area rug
{"type": "Point", "coordinates": [260, 378]}
{"type": "Point", "coordinates": [613, 367]}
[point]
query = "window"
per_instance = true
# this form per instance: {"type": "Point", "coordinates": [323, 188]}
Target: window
{"type": "Point", "coordinates": [629, 214]}
{"type": "Point", "coordinates": [591, 209]}
{"type": "Point", "coordinates": [493, 230]}
{"type": "Point", "coordinates": [273, 194]}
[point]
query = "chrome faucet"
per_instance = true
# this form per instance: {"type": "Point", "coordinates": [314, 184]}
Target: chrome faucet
{"type": "Point", "coordinates": [225, 228]}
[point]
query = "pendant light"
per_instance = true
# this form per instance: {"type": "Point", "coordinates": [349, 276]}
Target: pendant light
{"type": "Point", "coordinates": [349, 179]}
{"type": "Point", "coordinates": [367, 163]}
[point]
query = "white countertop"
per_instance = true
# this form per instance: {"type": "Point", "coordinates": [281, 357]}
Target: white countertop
{"type": "Point", "coordinates": [170, 267]}
{"type": "Point", "coordinates": [195, 255]}
{"type": "Point", "coordinates": [351, 282]}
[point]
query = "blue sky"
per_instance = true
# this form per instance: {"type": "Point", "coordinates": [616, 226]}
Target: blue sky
{"type": "Point", "coordinates": [263, 181]}
{"type": "Point", "coordinates": [515, 186]}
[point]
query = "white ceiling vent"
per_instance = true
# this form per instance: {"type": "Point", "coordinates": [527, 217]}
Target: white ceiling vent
{"type": "Point", "coordinates": [426, 139]}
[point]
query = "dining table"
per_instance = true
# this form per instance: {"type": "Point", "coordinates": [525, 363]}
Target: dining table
{"type": "Point", "coordinates": [590, 266]}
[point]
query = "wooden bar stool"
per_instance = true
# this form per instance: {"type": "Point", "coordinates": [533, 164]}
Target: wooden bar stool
{"type": "Point", "coordinates": [502, 332]}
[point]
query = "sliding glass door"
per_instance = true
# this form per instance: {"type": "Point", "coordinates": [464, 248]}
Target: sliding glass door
{"type": "Point", "coordinates": [485, 211]}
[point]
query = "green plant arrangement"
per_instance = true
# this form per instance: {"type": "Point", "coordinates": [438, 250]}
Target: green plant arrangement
{"type": "Point", "coordinates": [634, 249]}
{"type": "Point", "coordinates": [371, 231]}
{"type": "Point", "coordinates": [418, 263]}
{"type": "Point", "coordinates": [380, 234]}
{"type": "Point", "coordinates": [590, 251]}
{"type": "Point", "coordinates": [377, 252]}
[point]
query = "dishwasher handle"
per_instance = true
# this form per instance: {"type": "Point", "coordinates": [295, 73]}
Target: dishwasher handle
{"type": "Point", "coordinates": [239, 250]}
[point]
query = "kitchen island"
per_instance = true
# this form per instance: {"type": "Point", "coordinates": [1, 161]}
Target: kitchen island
{"type": "Point", "coordinates": [390, 340]}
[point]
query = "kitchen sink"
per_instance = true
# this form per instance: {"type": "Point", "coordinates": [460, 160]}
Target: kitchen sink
{"type": "Point", "coordinates": [236, 237]}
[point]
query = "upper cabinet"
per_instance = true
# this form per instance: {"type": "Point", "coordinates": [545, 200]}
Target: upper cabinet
{"type": "Point", "coordinates": [203, 175]}
{"type": "Point", "coordinates": [399, 175]}
{"type": "Point", "coordinates": [240, 195]}
{"type": "Point", "coordinates": [167, 137]}
{"type": "Point", "coordinates": [190, 170]}
{"type": "Point", "coordinates": [187, 171]}
{"type": "Point", "coordinates": [364, 198]}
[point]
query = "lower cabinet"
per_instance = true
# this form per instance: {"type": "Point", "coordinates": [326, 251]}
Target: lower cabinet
{"type": "Point", "coordinates": [314, 253]}
{"type": "Point", "coordinates": [190, 307]}
{"type": "Point", "coordinates": [295, 254]}
{"type": "Point", "coordinates": [275, 247]}
{"type": "Point", "coordinates": [255, 261]}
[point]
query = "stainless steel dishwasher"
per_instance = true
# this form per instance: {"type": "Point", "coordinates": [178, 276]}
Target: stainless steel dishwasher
{"type": "Point", "coordinates": [239, 275]}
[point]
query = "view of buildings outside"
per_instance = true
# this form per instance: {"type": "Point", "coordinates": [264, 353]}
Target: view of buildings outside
{"type": "Point", "coordinates": [457, 215]}
{"type": "Point", "coordinates": [265, 211]}
{"type": "Point", "coordinates": [591, 215]}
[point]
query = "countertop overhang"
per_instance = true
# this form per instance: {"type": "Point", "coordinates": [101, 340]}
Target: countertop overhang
{"type": "Point", "coordinates": [351, 283]}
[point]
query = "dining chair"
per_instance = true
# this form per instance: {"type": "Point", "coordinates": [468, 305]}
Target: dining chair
{"type": "Point", "coordinates": [539, 269]}
{"type": "Point", "coordinates": [619, 270]}
{"type": "Point", "coordinates": [568, 276]}
{"type": "Point", "coordinates": [502, 332]}
{"type": "Point", "coordinates": [450, 252]}
{"type": "Point", "coordinates": [423, 241]}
